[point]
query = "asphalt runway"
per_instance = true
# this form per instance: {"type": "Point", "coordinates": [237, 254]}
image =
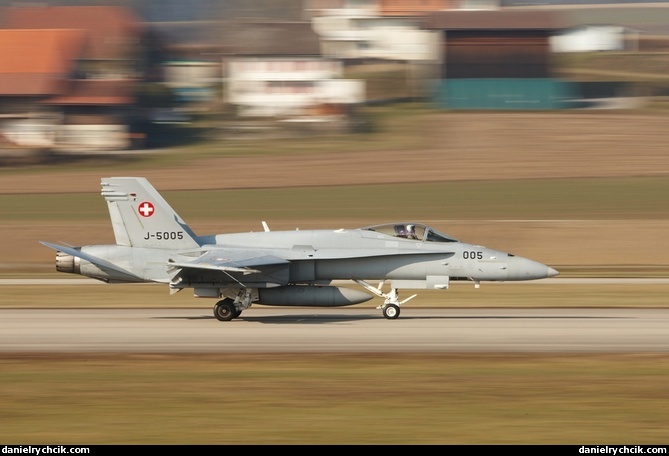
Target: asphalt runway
{"type": "Point", "coordinates": [264, 329]}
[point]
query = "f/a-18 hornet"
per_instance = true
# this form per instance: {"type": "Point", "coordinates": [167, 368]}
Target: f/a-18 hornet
{"type": "Point", "coordinates": [280, 268]}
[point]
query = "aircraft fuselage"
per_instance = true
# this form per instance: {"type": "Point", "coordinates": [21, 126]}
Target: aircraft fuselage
{"type": "Point", "coordinates": [323, 255]}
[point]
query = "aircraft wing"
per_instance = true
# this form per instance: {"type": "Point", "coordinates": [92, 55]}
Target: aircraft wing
{"type": "Point", "coordinates": [231, 261]}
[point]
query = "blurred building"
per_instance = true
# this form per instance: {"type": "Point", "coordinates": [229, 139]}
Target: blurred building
{"type": "Point", "coordinates": [192, 66]}
{"type": "Point", "coordinates": [276, 70]}
{"type": "Point", "coordinates": [68, 76]}
{"type": "Point", "coordinates": [95, 77]}
{"type": "Point", "coordinates": [498, 60]}
{"type": "Point", "coordinates": [290, 87]}
{"type": "Point", "coordinates": [357, 30]}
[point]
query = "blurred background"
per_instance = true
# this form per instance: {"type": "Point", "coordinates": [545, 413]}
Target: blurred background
{"type": "Point", "coordinates": [91, 76]}
{"type": "Point", "coordinates": [536, 129]}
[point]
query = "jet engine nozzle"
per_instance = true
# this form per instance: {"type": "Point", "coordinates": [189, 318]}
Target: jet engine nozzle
{"type": "Point", "coordinates": [67, 263]}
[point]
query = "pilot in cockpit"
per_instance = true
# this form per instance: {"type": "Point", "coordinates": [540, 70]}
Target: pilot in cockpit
{"type": "Point", "coordinates": [406, 231]}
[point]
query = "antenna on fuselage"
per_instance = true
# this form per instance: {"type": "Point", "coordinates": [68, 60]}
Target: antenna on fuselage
{"type": "Point", "coordinates": [264, 225]}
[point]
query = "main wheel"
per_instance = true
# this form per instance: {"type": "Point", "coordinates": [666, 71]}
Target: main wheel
{"type": "Point", "coordinates": [391, 311]}
{"type": "Point", "coordinates": [225, 310]}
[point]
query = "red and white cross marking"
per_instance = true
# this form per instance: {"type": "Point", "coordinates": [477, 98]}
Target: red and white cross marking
{"type": "Point", "coordinates": [146, 209]}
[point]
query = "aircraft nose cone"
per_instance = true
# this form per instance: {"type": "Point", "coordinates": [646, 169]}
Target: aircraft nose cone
{"type": "Point", "coordinates": [526, 269]}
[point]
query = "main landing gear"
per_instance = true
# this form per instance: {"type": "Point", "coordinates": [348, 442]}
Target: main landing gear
{"type": "Point", "coordinates": [391, 305]}
{"type": "Point", "coordinates": [229, 309]}
{"type": "Point", "coordinates": [226, 310]}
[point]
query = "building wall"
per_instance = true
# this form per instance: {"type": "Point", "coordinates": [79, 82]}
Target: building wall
{"type": "Point", "coordinates": [377, 37]}
{"type": "Point", "coordinates": [590, 39]}
{"type": "Point", "coordinates": [496, 54]}
{"type": "Point", "coordinates": [273, 87]}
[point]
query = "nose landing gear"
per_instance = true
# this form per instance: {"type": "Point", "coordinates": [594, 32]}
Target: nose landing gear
{"type": "Point", "coordinates": [391, 305]}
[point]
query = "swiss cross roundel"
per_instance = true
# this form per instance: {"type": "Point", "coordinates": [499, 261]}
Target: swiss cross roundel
{"type": "Point", "coordinates": [146, 209]}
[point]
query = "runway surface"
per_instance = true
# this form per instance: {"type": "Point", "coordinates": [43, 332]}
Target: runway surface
{"type": "Point", "coordinates": [267, 329]}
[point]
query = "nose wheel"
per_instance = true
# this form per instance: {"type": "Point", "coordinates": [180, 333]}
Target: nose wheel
{"type": "Point", "coordinates": [391, 311]}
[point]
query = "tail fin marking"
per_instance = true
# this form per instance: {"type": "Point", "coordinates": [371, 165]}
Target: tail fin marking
{"type": "Point", "coordinates": [141, 217]}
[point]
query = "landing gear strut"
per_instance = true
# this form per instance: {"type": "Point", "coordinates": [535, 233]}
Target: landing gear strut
{"type": "Point", "coordinates": [391, 305]}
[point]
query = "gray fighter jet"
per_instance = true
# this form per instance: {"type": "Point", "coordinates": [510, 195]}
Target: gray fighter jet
{"type": "Point", "coordinates": [280, 268]}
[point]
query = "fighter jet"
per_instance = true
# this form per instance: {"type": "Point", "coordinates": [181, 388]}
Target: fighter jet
{"type": "Point", "coordinates": [280, 268]}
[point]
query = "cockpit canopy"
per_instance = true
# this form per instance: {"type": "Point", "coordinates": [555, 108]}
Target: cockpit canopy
{"type": "Point", "coordinates": [410, 230]}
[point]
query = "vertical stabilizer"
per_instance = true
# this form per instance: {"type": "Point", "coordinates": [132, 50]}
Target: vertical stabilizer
{"type": "Point", "coordinates": [141, 217]}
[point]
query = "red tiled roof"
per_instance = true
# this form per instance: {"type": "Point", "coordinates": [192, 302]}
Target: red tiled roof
{"type": "Point", "coordinates": [412, 7]}
{"type": "Point", "coordinates": [36, 62]}
{"type": "Point", "coordinates": [111, 29]}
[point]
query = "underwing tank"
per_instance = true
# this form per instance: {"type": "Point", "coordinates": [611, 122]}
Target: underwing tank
{"type": "Point", "coordinates": [311, 295]}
